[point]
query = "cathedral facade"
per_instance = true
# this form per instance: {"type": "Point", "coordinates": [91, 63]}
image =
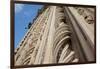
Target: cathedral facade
{"type": "Point", "coordinates": [59, 34]}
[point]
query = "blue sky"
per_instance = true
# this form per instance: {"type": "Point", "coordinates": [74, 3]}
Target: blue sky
{"type": "Point", "coordinates": [24, 13]}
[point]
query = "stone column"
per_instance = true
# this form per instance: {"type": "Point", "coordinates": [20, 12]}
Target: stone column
{"type": "Point", "coordinates": [48, 53]}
